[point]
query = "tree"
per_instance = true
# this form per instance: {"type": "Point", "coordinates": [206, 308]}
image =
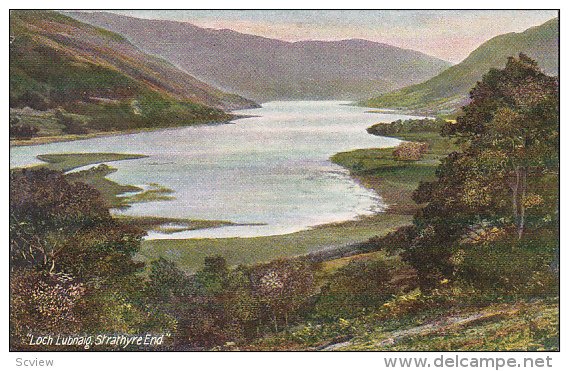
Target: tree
{"type": "Point", "coordinates": [70, 125]}
{"type": "Point", "coordinates": [241, 305]}
{"type": "Point", "coordinates": [282, 286]}
{"type": "Point", "coordinates": [60, 226]}
{"type": "Point", "coordinates": [509, 142]}
{"type": "Point", "coordinates": [513, 121]}
{"type": "Point", "coordinates": [71, 263]}
{"type": "Point", "coordinates": [21, 131]}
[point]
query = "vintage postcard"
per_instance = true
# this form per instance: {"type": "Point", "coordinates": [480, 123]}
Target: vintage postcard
{"type": "Point", "coordinates": [284, 180]}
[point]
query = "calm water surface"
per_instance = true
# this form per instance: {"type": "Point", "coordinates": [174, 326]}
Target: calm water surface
{"type": "Point", "coordinates": [273, 169]}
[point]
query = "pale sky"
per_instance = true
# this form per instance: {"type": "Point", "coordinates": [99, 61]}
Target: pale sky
{"type": "Point", "coordinates": [449, 35]}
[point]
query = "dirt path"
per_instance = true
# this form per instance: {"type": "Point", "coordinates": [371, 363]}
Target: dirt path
{"type": "Point", "coordinates": [442, 324]}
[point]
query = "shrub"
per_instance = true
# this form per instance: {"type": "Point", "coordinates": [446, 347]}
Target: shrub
{"type": "Point", "coordinates": [507, 271]}
{"type": "Point", "coordinates": [70, 125]}
{"type": "Point", "coordinates": [407, 126]}
{"type": "Point", "coordinates": [356, 288]}
{"type": "Point", "coordinates": [410, 151]}
{"type": "Point", "coordinates": [71, 263]}
{"type": "Point", "coordinates": [23, 131]}
{"type": "Point", "coordinates": [42, 302]}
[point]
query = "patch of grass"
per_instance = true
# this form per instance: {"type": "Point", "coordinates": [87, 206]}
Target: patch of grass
{"type": "Point", "coordinates": [69, 161]}
{"type": "Point", "coordinates": [329, 267]}
{"type": "Point", "coordinates": [521, 326]}
{"type": "Point", "coordinates": [190, 253]}
{"type": "Point", "coordinates": [396, 180]}
{"type": "Point", "coordinates": [160, 224]}
{"type": "Point", "coordinates": [110, 190]}
{"type": "Point", "coordinates": [156, 192]}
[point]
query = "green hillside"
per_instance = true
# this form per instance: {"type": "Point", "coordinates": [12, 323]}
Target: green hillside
{"type": "Point", "coordinates": [80, 79]}
{"type": "Point", "coordinates": [449, 90]}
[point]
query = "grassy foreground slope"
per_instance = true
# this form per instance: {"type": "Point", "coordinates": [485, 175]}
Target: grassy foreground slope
{"type": "Point", "coordinates": [513, 326]}
{"type": "Point", "coordinates": [449, 90]}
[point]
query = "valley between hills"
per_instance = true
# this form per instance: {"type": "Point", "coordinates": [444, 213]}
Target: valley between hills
{"type": "Point", "coordinates": [347, 195]}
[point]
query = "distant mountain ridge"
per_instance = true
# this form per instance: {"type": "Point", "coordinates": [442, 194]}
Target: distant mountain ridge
{"type": "Point", "coordinates": [449, 90]}
{"type": "Point", "coordinates": [266, 69]}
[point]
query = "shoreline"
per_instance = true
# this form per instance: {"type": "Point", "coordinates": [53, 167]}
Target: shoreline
{"type": "Point", "coordinates": [74, 137]}
{"type": "Point", "coordinates": [372, 168]}
{"type": "Point", "coordinates": [319, 243]}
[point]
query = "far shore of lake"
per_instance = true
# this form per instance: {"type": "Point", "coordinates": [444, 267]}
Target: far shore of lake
{"type": "Point", "coordinates": [35, 141]}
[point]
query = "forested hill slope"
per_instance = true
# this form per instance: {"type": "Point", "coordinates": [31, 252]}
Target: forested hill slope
{"type": "Point", "coordinates": [59, 62]}
{"type": "Point", "coordinates": [449, 90]}
{"type": "Point", "coordinates": [266, 69]}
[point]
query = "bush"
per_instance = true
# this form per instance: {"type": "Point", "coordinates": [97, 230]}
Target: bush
{"type": "Point", "coordinates": [410, 151]}
{"type": "Point", "coordinates": [43, 303]}
{"type": "Point", "coordinates": [356, 288]}
{"type": "Point", "coordinates": [407, 126]}
{"type": "Point", "coordinates": [507, 271]}
{"type": "Point", "coordinates": [71, 263]}
{"type": "Point", "coordinates": [23, 131]}
{"type": "Point", "coordinates": [70, 125]}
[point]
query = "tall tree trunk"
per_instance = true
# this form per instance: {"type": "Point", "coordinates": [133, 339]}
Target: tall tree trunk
{"type": "Point", "coordinates": [515, 190]}
{"type": "Point", "coordinates": [275, 322]}
{"type": "Point", "coordinates": [521, 224]}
